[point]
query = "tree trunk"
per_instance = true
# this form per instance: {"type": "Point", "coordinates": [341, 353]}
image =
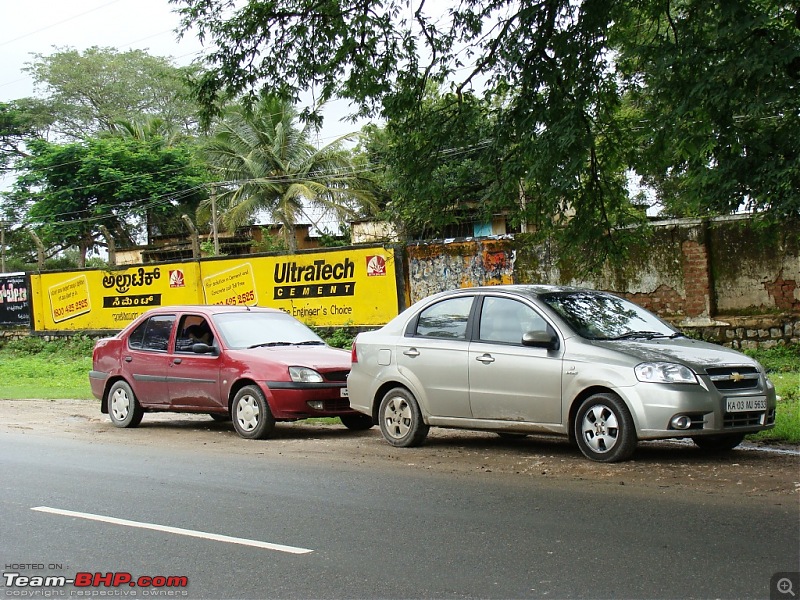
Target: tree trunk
{"type": "Point", "coordinates": [290, 238]}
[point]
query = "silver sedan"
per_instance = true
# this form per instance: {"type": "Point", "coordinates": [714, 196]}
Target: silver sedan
{"type": "Point", "coordinates": [520, 359]}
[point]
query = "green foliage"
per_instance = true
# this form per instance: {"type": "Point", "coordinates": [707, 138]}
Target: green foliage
{"type": "Point", "coordinates": [67, 192]}
{"type": "Point", "coordinates": [787, 417]}
{"type": "Point", "coordinates": [79, 346]}
{"type": "Point", "coordinates": [45, 376]}
{"type": "Point", "coordinates": [343, 240]}
{"type": "Point", "coordinates": [18, 122]}
{"type": "Point", "coordinates": [92, 91]}
{"type": "Point", "coordinates": [207, 248]}
{"type": "Point", "coordinates": [33, 367]}
{"type": "Point", "coordinates": [696, 99]}
{"type": "Point", "coordinates": [270, 243]}
{"type": "Point", "coordinates": [713, 87]}
{"type": "Point", "coordinates": [438, 166]}
{"type": "Point", "coordinates": [64, 261]}
{"type": "Point", "coordinates": [779, 359]}
{"type": "Point", "coordinates": [338, 337]}
{"type": "Point", "coordinates": [95, 262]}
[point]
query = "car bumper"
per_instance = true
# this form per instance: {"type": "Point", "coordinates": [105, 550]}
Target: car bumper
{"type": "Point", "coordinates": [97, 381]}
{"type": "Point", "coordinates": [290, 400]}
{"type": "Point", "coordinates": [657, 406]}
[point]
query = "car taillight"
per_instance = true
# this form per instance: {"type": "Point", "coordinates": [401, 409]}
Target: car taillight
{"type": "Point", "coordinates": [353, 353]}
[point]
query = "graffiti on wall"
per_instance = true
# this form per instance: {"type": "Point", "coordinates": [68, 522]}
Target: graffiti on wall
{"type": "Point", "coordinates": [438, 267]}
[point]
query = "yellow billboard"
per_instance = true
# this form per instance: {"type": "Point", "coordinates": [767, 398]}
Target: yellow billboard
{"type": "Point", "coordinates": [87, 300]}
{"type": "Point", "coordinates": [350, 287]}
{"type": "Point", "coordinates": [233, 286]}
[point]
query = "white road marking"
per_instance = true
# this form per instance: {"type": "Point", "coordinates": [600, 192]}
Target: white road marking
{"type": "Point", "coordinates": [176, 530]}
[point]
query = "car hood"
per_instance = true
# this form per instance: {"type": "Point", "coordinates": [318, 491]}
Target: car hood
{"type": "Point", "coordinates": [320, 358]}
{"type": "Point", "coordinates": [696, 354]}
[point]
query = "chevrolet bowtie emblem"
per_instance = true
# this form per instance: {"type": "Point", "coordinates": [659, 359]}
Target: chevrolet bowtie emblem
{"type": "Point", "coordinates": [737, 377]}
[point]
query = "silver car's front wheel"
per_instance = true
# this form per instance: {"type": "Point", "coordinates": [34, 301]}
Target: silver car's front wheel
{"type": "Point", "coordinates": [604, 428]}
{"type": "Point", "coordinates": [401, 419]}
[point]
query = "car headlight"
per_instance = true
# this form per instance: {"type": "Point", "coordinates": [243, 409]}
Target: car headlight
{"type": "Point", "coordinates": [664, 372]}
{"type": "Point", "coordinates": [304, 375]}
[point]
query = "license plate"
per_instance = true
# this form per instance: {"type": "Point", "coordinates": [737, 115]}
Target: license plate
{"type": "Point", "coordinates": [343, 393]}
{"type": "Point", "coordinates": [754, 403]}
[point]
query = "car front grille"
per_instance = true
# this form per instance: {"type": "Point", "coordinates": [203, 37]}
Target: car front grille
{"type": "Point", "coordinates": [734, 378]}
{"type": "Point", "coordinates": [340, 376]}
{"type": "Point", "coordinates": [743, 419]}
{"type": "Point", "coordinates": [337, 405]}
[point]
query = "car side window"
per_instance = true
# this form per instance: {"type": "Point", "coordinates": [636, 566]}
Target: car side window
{"type": "Point", "coordinates": [193, 329]}
{"type": "Point", "coordinates": [153, 334]}
{"type": "Point", "coordinates": [505, 320]}
{"type": "Point", "coordinates": [445, 319]}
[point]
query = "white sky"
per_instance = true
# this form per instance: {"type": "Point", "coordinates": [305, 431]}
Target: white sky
{"type": "Point", "coordinates": [38, 26]}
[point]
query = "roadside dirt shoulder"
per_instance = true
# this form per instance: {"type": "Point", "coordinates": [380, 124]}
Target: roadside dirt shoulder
{"type": "Point", "coordinates": [667, 467]}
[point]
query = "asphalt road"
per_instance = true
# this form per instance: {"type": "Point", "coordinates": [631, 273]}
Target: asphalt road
{"type": "Point", "coordinates": [368, 532]}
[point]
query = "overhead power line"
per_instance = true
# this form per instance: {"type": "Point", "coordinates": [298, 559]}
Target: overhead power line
{"type": "Point", "coordinates": [45, 28]}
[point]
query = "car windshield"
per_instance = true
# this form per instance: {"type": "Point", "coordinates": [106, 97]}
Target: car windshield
{"type": "Point", "coordinates": [254, 329]}
{"type": "Point", "coordinates": [599, 316]}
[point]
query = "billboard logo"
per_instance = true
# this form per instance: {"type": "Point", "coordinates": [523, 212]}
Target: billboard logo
{"type": "Point", "coordinates": [176, 279]}
{"type": "Point", "coordinates": [376, 266]}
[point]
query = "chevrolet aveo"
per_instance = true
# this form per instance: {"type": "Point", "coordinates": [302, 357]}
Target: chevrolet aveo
{"type": "Point", "coordinates": [255, 366]}
{"type": "Point", "coordinates": [538, 359]}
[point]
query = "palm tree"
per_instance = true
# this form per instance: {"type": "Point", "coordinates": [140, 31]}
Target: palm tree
{"type": "Point", "coordinates": [265, 161]}
{"type": "Point", "coordinates": [146, 129]}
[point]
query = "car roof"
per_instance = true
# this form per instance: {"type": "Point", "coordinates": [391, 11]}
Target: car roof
{"type": "Point", "coordinates": [211, 309]}
{"type": "Point", "coordinates": [530, 290]}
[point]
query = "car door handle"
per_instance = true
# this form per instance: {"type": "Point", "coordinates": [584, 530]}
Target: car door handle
{"type": "Point", "coordinates": [412, 352]}
{"type": "Point", "coordinates": [177, 361]}
{"type": "Point", "coordinates": [485, 358]}
{"type": "Point", "coordinates": [128, 358]}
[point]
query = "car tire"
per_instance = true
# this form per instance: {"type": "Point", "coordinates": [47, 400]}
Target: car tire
{"type": "Point", "coordinates": [718, 443]}
{"type": "Point", "coordinates": [604, 428]}
{"type": "Point", "coordinates": [401, 419]}
{"type": "Point", "coordinates": [219, 417]}
{"type": "Point", "coordinates": [357, 422]}
{"type": "Point", "coordinates": [252, 418]}
{"type": "Point", "coordinates": [123, 407]}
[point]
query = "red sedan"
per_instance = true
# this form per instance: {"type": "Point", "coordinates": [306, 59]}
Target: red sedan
{"type": "Point", "coordinates": [255, 366]}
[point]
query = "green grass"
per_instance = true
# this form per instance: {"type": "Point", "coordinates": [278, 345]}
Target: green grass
{"type": "Point", "coordinates": [787, 417]}
{"type": "Point", "coordinates": [34, 368]}
{"type": "Point", "coordinates": [783, 365]}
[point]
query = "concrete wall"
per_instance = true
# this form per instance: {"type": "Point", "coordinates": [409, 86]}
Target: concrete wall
{"type": "Point", "coordinates": [728, 279]}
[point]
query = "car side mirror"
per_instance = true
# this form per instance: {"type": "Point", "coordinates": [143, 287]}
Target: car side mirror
{"type": "Point", "coordinates": [540, 339]}
{"type": "Point", "coordinates": [201, 348]}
